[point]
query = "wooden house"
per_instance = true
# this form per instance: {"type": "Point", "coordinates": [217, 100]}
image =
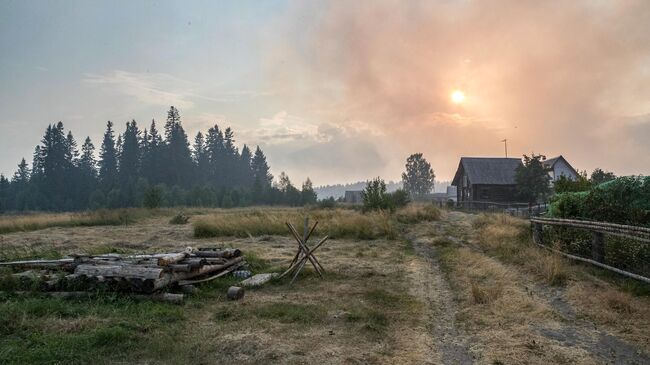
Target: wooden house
{"type": "Point", "coordinates": [486, 179]}
{"type": "Point", "coordinates": [559, 166]}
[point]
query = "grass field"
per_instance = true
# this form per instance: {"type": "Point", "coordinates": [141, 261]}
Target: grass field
{"type": "Point", "coordinates": [414, 287]}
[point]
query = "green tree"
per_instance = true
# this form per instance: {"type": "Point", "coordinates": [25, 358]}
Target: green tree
{"type": "Point", "coordinates": [532, 179]}
{"type": "Point", "coordinates": [419, 177]}
{"type": "Point", "coordinates": [565, 185]}
{"type": "Point", "coordinates": [375, 196]}
{"type": "Point", "coordinates": [153, 197]}
{"type": "Point", "coordinates": [308, 194]}
{"type": "Point", "coordinates": [598, 176]}
{"type": "Point", "coordinates": [108, 159]}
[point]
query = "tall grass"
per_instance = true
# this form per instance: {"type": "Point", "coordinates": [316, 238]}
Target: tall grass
{"type": "Point", "coordinates": [104, 217]}
{"type": "Point", "coordinates": [336, 223]}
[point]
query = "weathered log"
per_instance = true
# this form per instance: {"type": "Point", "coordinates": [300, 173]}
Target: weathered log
{"type": "Point", "coordinates": [235, 293]}
{"type": "Point", "coordinates": [51, 264]}
{"type": "Point", "coordinates": [222, 273]}
{"type": "Point", "coordinates": [161, 297]}
{"type": "Point", "coordinates": [171, 258]}
{"type": "Point", "coordinates": [173, 277]}
{"type": "Point", "coordinates": [226, 253]}
{"type": "Point", "coordinates": [180, 267]}
{"type": "Point", "coordinates": [126, 271]}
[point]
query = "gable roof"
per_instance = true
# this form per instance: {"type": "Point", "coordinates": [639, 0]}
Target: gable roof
{"type": "Point", "coordinates": [487, 170]}
{"type": "Point", "coordinates": [550, 162]}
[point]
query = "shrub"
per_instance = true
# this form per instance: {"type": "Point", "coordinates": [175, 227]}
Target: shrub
{"type": "Point", "coordinates": [153, 197]}
{"type": "Point", "coordinates": [327, 203]}
{"type": "Point", "coordinates": [179, 218]}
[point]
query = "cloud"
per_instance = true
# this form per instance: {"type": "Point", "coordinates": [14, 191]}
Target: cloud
{"type": "Point", "coordinates": [546, 75]}
{"type": "Point", "coordinates": [150, 88]}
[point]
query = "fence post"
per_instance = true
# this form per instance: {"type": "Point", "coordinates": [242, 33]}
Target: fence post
{"type": "Point", "coordinates": [598, 246]}
{"type": "Point", "coordinates": [537, 233]}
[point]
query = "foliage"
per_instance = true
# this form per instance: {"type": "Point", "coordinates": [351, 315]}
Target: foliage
{"type": "Point", "coordinates": [532, 179]}
{"type": "Point", "coordinates": [419, 177]}
{"type": "Point", "coordinates": [565, 185]}
{"type": "Point", "coordinates": [327, 203]}
{"type": "Point", "coordinates": [398, 198]}
{"type": "Point", "coordinates": [142, 168]}
{"type": "Point", "coordinates": [374, 195]}
{"type": "Point", "coordinates": [179, 218]}
{"type": "Point", "coordinates": [625, 200]}
{"type": "Point", "coordinates": [598, 176]}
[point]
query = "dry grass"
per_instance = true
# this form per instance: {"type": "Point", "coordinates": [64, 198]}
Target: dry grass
{"type": "Point", "coordinates": [602, 301]}
{"type": "Point", "coordinates": [508, 238]}
{"type": "Point", "coordinates": [337, 223]}
{"type": "Point", "coordinates": [32, 222]}
{"type": "Point", "coordinates": [415, 213]}
{"type": "Point", "coordinates": [358, 314]}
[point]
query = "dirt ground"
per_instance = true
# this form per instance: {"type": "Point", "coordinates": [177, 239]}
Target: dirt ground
{"type": "Point", "coordinates": [404, 301]}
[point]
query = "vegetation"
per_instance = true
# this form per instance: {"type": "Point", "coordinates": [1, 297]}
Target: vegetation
{"type": "Point", "coordinates": [532, 179]}
{"type": "Point", "coordinates": [419, 177]}
{"type": "Point", "coordinates": [145, 168]}
{"type": "Point", "coordinates": [102, 217]}
{"type": "Point", "coordinates": [375, 197]}
{"type": "Point", "coordinates": [625, 200]}
{"type": "Point", "coordinates": [598, 176]}
{"type": "Point", "coordinates": [565, 185]}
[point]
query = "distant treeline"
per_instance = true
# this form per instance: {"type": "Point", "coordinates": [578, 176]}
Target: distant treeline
{"type": "Point", "coordinates": [338, 190]}
{"type": "Point", "coordinates": [146, 167]}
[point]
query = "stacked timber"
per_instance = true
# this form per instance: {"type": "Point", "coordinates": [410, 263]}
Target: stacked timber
{"type": "Point", "coordinates": [132, 273]}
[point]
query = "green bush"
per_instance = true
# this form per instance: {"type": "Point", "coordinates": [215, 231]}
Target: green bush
{"type": "Point", "coordinates": [625, 200]}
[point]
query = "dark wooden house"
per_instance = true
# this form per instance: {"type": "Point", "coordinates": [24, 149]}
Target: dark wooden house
{"type": "Point", "coordinates": [486, 179]}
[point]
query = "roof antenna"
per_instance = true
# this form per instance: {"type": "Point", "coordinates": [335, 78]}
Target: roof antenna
{"type": "Point", "coordinates": [505, 142]}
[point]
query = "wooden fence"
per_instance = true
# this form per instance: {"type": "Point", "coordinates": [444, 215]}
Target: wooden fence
{"type": "Point", "coordinates": [513, 208]}
{"type": "Point", "coordinates": [598, 231]}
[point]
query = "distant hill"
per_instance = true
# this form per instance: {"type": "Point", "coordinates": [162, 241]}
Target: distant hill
{"type": "Point", "coordinates": [338, 190]}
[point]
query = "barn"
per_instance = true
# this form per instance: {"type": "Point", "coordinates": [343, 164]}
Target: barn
{"type": "Point", "coordinates": [486, 179]}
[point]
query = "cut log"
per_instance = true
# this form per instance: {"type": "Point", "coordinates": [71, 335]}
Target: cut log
{"type": "Point", "coordinates": [223, 273]}
{"type": "Point", "coordinates": [258, 280]}
{"type": "Point", "coordinates": [227, 253]}
{"type": "Point", "coordinates": [173, 277]}
{"type": "Point", "coordinates": [125, 271]}
{"type": "Point", "coordinates": [235, 293]}
{"type": "Point", "coordinates": [171, 259]}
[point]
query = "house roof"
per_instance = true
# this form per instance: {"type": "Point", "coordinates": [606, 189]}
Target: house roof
{"type": "Point", "coordinates": [487, 170]}
{"type": "Point", "coordinates": [550, 162]}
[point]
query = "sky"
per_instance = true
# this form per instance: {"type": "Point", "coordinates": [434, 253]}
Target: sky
{"type": "Point", "coordinates": [339, 91]}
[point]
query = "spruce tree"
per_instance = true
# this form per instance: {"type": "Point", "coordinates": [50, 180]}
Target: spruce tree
{"type": "Point", "coordinates": [262, 178]}
{"type": "Point", "coordinates": [308, 194]}
{"type": "Point", "coordinates": [178, 156]}
{"type": "Point", "coordinates": [108, 159]}
{"type": "Point", "coordinates": [201, 159]}
{"type": "Point", "coordinates": [129, 163]}
{"type": "Point", "coordinates": [4, 194]}
{"type": "Point", "coordinates": [21, 176]}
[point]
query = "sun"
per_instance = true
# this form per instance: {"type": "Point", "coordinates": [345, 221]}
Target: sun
{"type": "Point", "coordinates": [457, 97]}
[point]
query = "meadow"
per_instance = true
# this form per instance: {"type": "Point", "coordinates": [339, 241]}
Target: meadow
{"type": "Point", "coordinates": [420, 285]}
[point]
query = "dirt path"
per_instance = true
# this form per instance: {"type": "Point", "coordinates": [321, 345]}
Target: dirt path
{"type": "Point", "coordinates": [564, 336]}
{"type": "Point", "coordinates": [451, 343]}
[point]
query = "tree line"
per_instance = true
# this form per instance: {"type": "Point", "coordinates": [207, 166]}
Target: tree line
{"type": "Point", "coordinates": [146, 167]}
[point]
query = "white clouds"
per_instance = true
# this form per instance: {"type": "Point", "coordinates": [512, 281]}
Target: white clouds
{"type": "Point", "coordinates": [150, 88]}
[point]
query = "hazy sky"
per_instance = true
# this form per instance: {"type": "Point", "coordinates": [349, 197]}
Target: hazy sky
{"type": "Point", "coordinates": [339, 91]}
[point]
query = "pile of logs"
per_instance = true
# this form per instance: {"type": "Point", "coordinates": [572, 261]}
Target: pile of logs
{"type": "Point", "coordinates": [135, 273]}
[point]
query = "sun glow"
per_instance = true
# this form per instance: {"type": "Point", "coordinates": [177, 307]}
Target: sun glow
{"type": "Point", "coordinates": [457, 97]}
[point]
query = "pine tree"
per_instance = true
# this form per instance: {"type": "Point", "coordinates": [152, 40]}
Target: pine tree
{"type": "Point", "coordinates": [178, 155]}
{"type": "Point", "coordinates": [4, 194]}
{"type": "Point", "coordinates": [262, 178]}
{"type": "Point", "coordinates": [21, 176]}
{"type": "Point", "coordinates": [129, 163]}
{"type": "Point", "coordinates": [87, 163]}
{"type": "Point", "coordinates": [108, 159]}
{"type": "Point", "coordinates": [245, 172]}
{"type": "Point", "coordinates": [201, 159]}
{"type": "Point", "coordinates": [215, 150]}
{"type": "Point", "coordinates": [87, 173]}
{"type": "Point", "coordinates": [152, 156]}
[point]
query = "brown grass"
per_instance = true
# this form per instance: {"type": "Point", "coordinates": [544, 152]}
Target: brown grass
{"type": "Point", "coordinates": [337, 223]}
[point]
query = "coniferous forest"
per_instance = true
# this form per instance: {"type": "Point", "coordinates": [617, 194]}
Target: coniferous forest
{"type": "Point", "coordinates": [145, 167]}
